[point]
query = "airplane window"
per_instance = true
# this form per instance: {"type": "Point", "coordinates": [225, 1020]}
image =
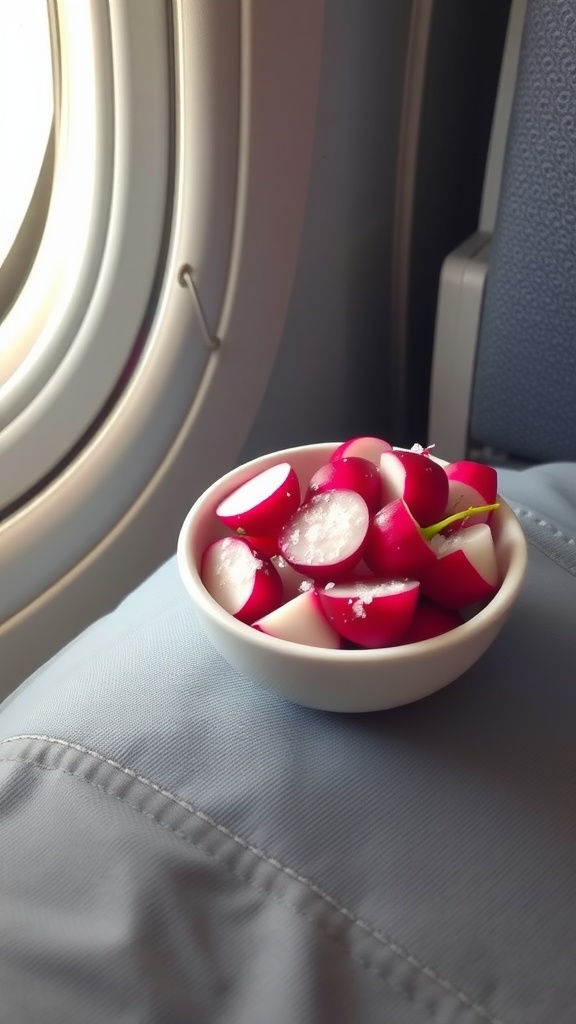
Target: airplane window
{"type": "Point", "coordinates": [170, 123]}
{"type": "Point", "coordinates": [26, 109]}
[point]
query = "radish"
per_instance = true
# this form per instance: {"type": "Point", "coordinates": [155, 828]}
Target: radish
{"type": "Point", "coordinates": [430, 621]}
{"type": "Point", "coordinates": [469, 484]}
{"type": "Point", "coordinates": [416, 478]}
{"type": "Point", "coordinates": [370, 448]}
{"type": "Point", "coordinates": [302, 621]}
{"type": "Point", "coordinates": [465, 570]}
{"type": "Point", "coordinates": [325, 537]}
{"type": "Point", "coordinates": [395, 545]}
{"type": "Point", "coordinates": [239, 579]}
{"type": "Point", "coordinates": [371, 614]}
{"type": "Point", "coordinates": [349, 474]}
{"type": "Point", "coordinates": [263, 503]}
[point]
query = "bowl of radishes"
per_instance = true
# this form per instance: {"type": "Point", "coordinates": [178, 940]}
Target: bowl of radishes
{"type": "Point", "coordinates": [355, 576]}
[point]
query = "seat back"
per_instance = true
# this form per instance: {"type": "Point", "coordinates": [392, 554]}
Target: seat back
{"type": "Point", "coordinates": [523, 401]}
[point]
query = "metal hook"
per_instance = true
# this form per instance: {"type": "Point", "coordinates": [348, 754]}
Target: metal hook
{"type": "Point", "coordinates": [186, 280]}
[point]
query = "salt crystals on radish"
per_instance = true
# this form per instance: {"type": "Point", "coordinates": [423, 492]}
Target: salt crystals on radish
{"type": "Point", "coordinates": [243, 583]}
{"type": "Point", "coordinates": [325, 536]}
{"type": "Point", "coordinates": [371, 614]}
{"type": "Point", "coordinates": [386, 548]}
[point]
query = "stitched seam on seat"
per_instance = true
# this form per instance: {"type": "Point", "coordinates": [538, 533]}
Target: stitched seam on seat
{"type": "Point", "coordinates": [539, 531]}
{"type": "Point", "coordinates": [403, 954]}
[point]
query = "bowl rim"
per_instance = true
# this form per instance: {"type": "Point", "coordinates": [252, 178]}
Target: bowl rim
{"type": "Point", "coordinates": [488, 616]}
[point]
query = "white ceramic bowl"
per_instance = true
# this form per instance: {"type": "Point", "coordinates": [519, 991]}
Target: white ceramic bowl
{"type": "Point", "coordinates": [358, 680]}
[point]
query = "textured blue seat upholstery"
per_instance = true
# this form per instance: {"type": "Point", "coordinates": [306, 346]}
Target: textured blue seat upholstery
{"type": "Point", "coordinates": [178, 845]}
{"type": "Point", "coordinates": [524, 394]}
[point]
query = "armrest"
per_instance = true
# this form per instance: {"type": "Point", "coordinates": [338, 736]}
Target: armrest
{"type": "Point", "coordinates": [460, 296]}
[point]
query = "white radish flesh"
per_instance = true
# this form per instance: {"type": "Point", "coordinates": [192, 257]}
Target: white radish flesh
{"type": "Point", "coordinates": [324, 538]}
{"type": "Point", "coordinates": [367, 447]}
{"type": "Point", "coordinates": [240, 580]}
{"type": "Point", "coordinates": [465, 570]}
{"type": "Point", "coordinates": [348, 474]}
{"type": "Point", "coordinates": [371, 614]}
{"type": "Point", "coordinates": [301, 621]}
{"type": "Point", "coordinates": [263, 503]}
{"type": "Point", "coordinates": [420, 481]}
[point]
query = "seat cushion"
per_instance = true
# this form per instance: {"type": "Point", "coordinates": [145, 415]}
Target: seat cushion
{"type": "Point", "coordinates": [179, 845]}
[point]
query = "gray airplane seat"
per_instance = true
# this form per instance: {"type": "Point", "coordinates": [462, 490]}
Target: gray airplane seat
{"type": "Point", "coordinates": [504, 378]}
{"type": "Point", "coordinates": [525, 377]}
{"type": "Point", "coordinates": [177, 845]}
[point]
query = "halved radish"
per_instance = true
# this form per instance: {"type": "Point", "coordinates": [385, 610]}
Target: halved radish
{"type": "Point", "coordinates": [260, 506]}
{"type": "Point", "coordinates": [416, 478]}
{"type": "Point", "coordinates": [325, 537]}
{"type": "Point", "coordinates": [430, 621]}
{"type": "Point", "coordinates": [348, 474]}
{"type": "Point", "coordinates": [371, 614]}
{"type": "Point", "coordinates": [302, 621]}
{"type": "Point", "coordinates": [465, 570]}
{"type": "Point", "coordinates": [395, 546]}
{"type": "Point", "coordinates": [470, 484]}
{"type": "Point", "coordinates": [242, 582]}
{"type": "Point", "coordinates": [370, 448]}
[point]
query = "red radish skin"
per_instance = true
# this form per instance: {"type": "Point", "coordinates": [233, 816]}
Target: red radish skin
{"type": "Point", "coordinates": [470, 484]}
{"type": "Point", "coordinates": [395, 546]}
{"type": "Point", "coordinates": [240, 580]}
{"type": "Point", "coordinates": [368, 560]}
{"type": "Point", "coordinates": [430, 621]}
{"type": "Point", "coordinates": [324, 538]}
{"type": "Point", "coordinates": [301, 621]}
{"type": "Point", "coordinates": [420, 481]}
{"type": "Point", "coordinates": [371, 614]}
{"type": "Point", "coordinates": [482, 478]}
{"type": "Point", "coordinates": [348, 474]}
{"type": "Point", "coordinates": [262, 504]}
{"type": "Point", "coordinates": [370, 448]}
{"type": "Point", "coordinates": [465, 570]}
{"type": "Point", "coordinates": [267, 546]}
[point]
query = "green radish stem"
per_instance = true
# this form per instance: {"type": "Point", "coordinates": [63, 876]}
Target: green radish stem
{"type": "Point", "coordinates": [430, 531]}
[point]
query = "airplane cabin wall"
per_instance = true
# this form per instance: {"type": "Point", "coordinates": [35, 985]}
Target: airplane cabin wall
{"type": "Point", "coordinates": [358, 316]}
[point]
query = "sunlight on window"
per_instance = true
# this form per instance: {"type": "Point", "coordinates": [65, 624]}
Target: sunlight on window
{"type": "Point", "coordinates": [26, 109]}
